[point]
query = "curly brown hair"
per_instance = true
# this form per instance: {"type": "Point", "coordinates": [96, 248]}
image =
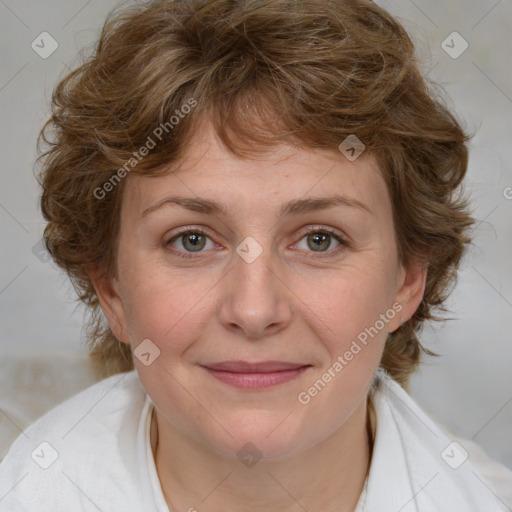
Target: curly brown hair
{"type": "Point", "coordinates": [264, 72]}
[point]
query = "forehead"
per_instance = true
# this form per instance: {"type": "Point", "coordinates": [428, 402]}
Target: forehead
{"type": "Point", "coordinates": [209, 170]}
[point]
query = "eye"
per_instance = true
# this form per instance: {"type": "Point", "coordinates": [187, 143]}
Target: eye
{"type": "Point", "coordinates": [317, 240]}
{"type": "Point", "coordinates": [321, 240]}
{"type": "Point", "coordinates": [190, 241]}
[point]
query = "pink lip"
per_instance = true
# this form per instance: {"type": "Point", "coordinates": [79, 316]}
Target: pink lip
{"type": "Point", "coordinates": [255, 375]}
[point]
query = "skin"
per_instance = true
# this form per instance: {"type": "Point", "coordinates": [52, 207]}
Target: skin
{"type": "Point", "coordinates": [292, 303]}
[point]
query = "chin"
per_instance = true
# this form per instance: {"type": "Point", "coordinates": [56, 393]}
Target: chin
{"type": "Point", "coordinates": [260, 436]}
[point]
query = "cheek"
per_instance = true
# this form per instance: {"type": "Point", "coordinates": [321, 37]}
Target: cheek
{"type": "Point", "coordinates": [347, 318]}
{"type": "Point", "coordinates": [167, 309]}
{"type": "Point", "coordinates": [347, 302]}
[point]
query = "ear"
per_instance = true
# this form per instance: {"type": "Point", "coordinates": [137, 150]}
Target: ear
{"type": "Point", "coordinates": [411, 283]}
{"type": "Point", "coordinates": [111, 304]}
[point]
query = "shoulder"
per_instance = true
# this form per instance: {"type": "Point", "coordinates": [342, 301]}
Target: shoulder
{"type": "Point", "coordinates": [462, 469]}
{"type": "Point", "coordinates": [75, 438]}
{"type": "Point", "coordinates": [105, 400]}
{"type": "Point", "coordinates": [492, 472]}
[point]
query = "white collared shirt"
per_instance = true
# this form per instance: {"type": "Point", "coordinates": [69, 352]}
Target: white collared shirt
{"type": "Point", "coordinates": [93, 453]}
{"type": "Point", "coordinates": [419, 467]}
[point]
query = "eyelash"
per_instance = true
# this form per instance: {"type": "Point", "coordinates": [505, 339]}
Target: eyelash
{"type": "Point", "coordinates": [344, 244]}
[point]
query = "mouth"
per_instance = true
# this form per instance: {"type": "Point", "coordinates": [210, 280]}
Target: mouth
{"type": "Point", "coordinates": [259, 375]}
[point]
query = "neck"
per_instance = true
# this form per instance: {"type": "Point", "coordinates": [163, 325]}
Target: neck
{"type": "Point", "coordinates": [329, 476]}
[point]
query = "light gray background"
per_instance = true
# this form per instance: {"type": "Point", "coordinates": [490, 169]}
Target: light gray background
{"type": "Point", "coordinates": [469, 388]}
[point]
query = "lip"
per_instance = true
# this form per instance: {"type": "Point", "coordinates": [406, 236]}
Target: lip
{"type": "Point", "coordinates": [259, 367]}
{"type": "Point", "coordinates": [259, 375]}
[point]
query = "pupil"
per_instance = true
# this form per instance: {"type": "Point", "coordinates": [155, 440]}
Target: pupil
{"type": "Point", "coordinates": [319, 241]}
{"type": "Point", "coordinates": [196, 241]}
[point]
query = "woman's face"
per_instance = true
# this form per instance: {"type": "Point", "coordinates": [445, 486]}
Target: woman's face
{"type": "Point", "coordinates": [249, 284]}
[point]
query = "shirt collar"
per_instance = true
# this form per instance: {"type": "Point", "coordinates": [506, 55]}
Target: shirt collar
{"type": "Point", "coordinates": [414, 464]}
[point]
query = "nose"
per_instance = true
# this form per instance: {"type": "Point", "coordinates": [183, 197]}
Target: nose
{"type": "Point", "coordinates": [255, 300]}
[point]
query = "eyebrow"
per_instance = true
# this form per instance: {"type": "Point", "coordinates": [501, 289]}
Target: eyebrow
{"type": "Point", "coordinates": [295, 207]}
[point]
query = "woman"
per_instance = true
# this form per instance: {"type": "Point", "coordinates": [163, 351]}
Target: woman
{"type": "Point", "coordinates": [262, 200]}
